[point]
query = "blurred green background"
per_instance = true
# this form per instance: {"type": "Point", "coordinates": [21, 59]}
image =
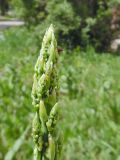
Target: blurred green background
{"type": "Point", "coordinates": [89, 71]}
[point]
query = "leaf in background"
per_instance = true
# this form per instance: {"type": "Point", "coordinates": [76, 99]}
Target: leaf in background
{"type": "Point", "coordinates": [17, 145]}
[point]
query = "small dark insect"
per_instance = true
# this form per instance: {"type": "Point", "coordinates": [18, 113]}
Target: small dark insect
{"type": "Point", "coordinates": [59, 50]}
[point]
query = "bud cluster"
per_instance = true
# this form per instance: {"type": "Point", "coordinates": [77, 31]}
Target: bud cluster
{"type": "Point", "coordinates": [45, 100]}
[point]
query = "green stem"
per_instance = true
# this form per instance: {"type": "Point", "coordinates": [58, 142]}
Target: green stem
{"type": "Point", "coordinates": [45, 98]}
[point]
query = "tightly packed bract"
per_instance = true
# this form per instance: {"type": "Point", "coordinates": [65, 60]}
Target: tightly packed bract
{"type": "Point", "coordinates": [45, 100]}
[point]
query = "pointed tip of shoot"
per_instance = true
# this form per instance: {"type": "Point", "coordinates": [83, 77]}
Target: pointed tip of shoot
{"type": "Point", "coordinates": [51, 28]}
{"type": "Point", "coordinates": [49, 34]}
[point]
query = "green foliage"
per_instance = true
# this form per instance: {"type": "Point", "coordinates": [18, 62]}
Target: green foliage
{"type": "Point", "coordinates": [17, 8]}
{"type": "Point", "coordinates": [79, 22]}
{"type": "Point", "coordinates": [93, 111]}
{"type": "Point", "coordinates": [3, 7]}
{"type": "Point", "coordinates": [15, 85]}
{"type": "Point", "coordinates": [114, 3]}
{"type": "Point", "coordinates": [90, 99]}
{"type": "Point", "coordinates": [34, 11]}
{"type": "Point", "coordinates": [60, 13]}
{"type": "Point", "coordinates": [18, 143]}
{"type": "Point", "coordinates": [63, 16]}
{"type": "Point", "coordinates": [100, 34]}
